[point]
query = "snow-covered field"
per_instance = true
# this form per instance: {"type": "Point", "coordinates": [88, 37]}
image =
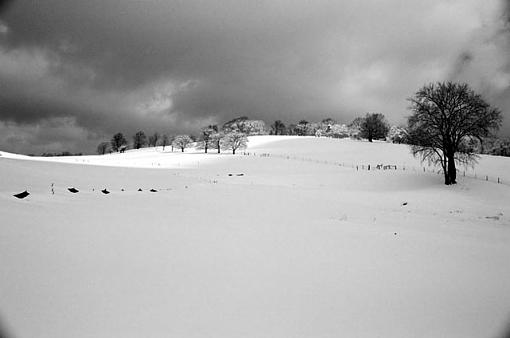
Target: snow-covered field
{"type": "Point", "coordinates": [300, 245]}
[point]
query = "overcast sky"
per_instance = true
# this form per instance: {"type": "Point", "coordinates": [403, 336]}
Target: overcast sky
{"type": "Point", "coordinates": [74, 72]}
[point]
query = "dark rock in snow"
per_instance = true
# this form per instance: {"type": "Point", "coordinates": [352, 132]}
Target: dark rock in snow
{"type": "Point", "coordinates": [153, 190]}
{"type": "Point", "coordinates": [22, 195]}
{"type": "Point", "coordinates": [104, 191]}
{"type": "Point", "coordinates": [73, 190]}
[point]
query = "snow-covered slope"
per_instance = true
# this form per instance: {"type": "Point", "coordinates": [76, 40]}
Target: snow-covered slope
{"type": "Point", "coordinates": [296, 246]}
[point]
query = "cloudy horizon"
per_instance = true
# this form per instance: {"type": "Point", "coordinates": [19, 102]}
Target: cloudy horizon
{"type": "Point", "coordinates": [74, 73]}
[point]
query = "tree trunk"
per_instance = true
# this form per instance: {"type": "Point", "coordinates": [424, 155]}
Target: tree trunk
{"type": "Point", "coordinates": [218, 144]}
{"type": "Point", "coordinates": [452, 171]}
{"type": "Point", "coordinates": [444, 165]}
{"type": "Point", "coordinates": [233, 151]}
{"type": "Point", "coordinates": [182, 149]}
{"type": "Point", "coordinates": [446, 176]}
{"type": "Point", "coordinates": [206, 148]}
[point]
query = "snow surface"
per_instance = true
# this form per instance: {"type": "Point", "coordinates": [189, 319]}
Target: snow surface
{"type": "Point", "coordinates": [301, 245]}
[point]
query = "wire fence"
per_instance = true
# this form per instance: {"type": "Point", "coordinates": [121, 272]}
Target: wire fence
{"type": "Point", "coordinates": [382, 166]}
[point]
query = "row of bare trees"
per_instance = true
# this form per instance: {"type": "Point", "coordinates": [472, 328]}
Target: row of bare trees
{"type": "Point", "coordinates": [231, 136]}
{"type": "Point", "coordinates": [372, 126]}
{"type": "Point", "coordinates": [119, 143]}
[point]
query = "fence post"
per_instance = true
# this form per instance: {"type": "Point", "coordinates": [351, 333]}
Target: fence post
{"type": "Point", "coordinates": [498, 180]}
{"type": "Point", "coordinates": [486, 177]}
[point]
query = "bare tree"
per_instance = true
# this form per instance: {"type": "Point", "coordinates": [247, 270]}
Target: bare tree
{"type": "Point", "coordinates": [153, 140]}
{"type": "Point", "coordinates": [234, 140]}
{"type": "Point", "coordinates": [139, 140]}
{"type": "Point", "coordinates": [444, 117]}
{"type": "Point", "coordinates": [291, 129]}
{"type": "Point", "coordinates": [207, 136]}
{"type": "Point", "coordinates": [102, 148]}
{"type": "Point", "coordinates": [326, 125]}
{"type": "Point", "coordinates": [171, 140]}
{"type": "Point", "coordinates": [302, 128]}
{"type": "Point", "coordinates": [182, 141]}
{"type": "Point", "coordinates": [374, 126]}
{"type": "Point", "coordinates": [278, 127]}
{"type": "Point", "coordinates": [216, 141]}
{"type": "Point", "coordinates": [356, 123]}
{"type": "Point", "coordinates": [165, 140]}
{"type": "Point", "coordinates": [118, 141]}
{"type": "Point", "coordinates": [398, 134]}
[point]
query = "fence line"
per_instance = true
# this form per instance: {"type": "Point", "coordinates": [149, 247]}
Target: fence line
{"type": "Point", "coordinates": [371, 167]}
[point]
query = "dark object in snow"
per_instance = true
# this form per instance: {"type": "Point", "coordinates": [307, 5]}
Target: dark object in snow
{"type": "Point", "coordinates": [139, 189]}
{"type": "Point", "coordinates": [395, 233]}
{"type": "Point", "coordinates": [122, 189]}
{"type": "Point", "coordinates": [405, 203]}
{"type": "Point", "coordinates": [240, 174]}
{"type": "Point", "coordinates": [22, 195]}
{"type": "Point", "coordinates": [229, 174]}
{"type": "Point", "coordinates": [104, 191]}
{"type": "Point", "coordinates": [73, 190]}
{"type": "Point", "coordinates": [153, 190]}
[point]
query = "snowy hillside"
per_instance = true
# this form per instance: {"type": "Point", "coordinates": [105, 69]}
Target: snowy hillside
{"type": "Point", "coordinates": [287, 240]}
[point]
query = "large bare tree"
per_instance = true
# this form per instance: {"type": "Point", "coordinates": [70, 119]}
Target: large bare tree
{"type": "Point", "coordinates": [445, 116]}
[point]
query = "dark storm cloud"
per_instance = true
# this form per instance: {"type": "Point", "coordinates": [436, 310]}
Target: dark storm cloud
{"type": "Point", "coordinates": [4, 4]}
{"type": "Point", "coordinates": [172, 66]}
